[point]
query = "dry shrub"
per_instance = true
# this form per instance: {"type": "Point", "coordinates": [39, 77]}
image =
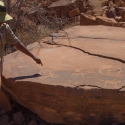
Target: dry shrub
{"type": "Point", "coordinates": [32, 24]}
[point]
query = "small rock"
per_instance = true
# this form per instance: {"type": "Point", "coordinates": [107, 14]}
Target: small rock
{"type": "Point", "coordinates": [2, 112]}
{"type": "Point", "coordinates": [5, 120]}
{"type": "Point", "coordinates": [30, 117]}
{"type": "Point", "coordinates": [12, 123]}
{"type": "Point", "coordinates": [18, 118]}
{"type": "Point", "coordinates": [32, 122]}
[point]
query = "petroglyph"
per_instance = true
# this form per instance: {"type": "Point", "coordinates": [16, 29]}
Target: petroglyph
{"type": "Point", "coordinates": [48, 73]}
{"type": "Point", "coordinates": [21, 67]}
{"type": "Point", "coordinates": [78, 74]}
{"type": "Point", "coordinates": [110, 70]}
{"type": "Point", "coordinates": [104, 78]}
{"type": "Point", "coordinates": [111, 84]}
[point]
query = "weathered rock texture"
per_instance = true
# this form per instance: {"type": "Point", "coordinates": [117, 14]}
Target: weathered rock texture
{"type": "Point", "coordinates": [86, 19]}
{"type": "Point", "coordinates": [4, 102]}
{"type": "Point", "coordinates": [106, 21]}
{"type": "Point", "coordinates": [63, 7]}
{"type": "Point", "coordinates": [82, 80]}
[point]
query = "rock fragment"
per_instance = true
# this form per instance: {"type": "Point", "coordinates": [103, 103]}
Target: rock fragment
{"type": "Point", "coordinates": [18, 118]}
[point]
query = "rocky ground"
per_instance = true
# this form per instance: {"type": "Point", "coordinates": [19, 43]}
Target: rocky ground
{"type": "Point", "coordinates": [22, 116]}
{"type": "Point", "coordinates": [19, 115]}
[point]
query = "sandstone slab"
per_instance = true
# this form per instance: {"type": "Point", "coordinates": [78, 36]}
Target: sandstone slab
{"type": "Point", "coordinates": [82, 80]}
{"type": "Point", "coordinates": [74, 12]}
{"type": "Point", "coordinates": [86, 19]}
{"type": "Point", "coordinates": [106, 21]}
{"type": "Point", "coordinates": [64, 8]}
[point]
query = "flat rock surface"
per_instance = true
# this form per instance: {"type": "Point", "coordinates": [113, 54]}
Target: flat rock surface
{"type": "Point", "coordinates": [89, 55]}
{"type": "Point", "coordinates": [76, 60]}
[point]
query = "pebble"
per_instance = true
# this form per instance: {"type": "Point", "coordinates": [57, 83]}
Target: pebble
{"type": "Point", "coordinates": [32, 122]}
{"type": "Point", "coordinates": [4, 120]}
{"type": "Point", "coordinates": [18, 118]}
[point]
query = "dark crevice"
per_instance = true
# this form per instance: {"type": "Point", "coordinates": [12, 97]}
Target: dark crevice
{"type": "Point", "coordinates": [98, 38]}
{"type": "Point", "coordinates": [83, 37]}
{"type": "Point", "coordinates": [92, 54]}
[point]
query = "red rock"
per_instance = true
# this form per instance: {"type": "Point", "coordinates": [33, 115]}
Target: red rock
{"type": "Point", "coordinates": [74, 12]}
{"type": "Point", "coordinates": [123, 16]}
{"type": "Point", "coordinates": [81, 78]}
{"type": "Point", "coordinates": [106, 21]}
{"type": "Point", "coordinates": [63, 7]}
{"type": "Point", "coordinates": [86, 19]}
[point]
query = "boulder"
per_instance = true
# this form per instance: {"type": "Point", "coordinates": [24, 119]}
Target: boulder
{"type": "Point", "coordinates": [74, 12]}
{"type": "Point", "coordinates": [63, 7]}
{"type": "Point", "coordinates": [123, 16]}
{"type": "Point", "coordinates": [122, 4]}
{"type": "Point", "coordinates": [121, 24]}
{"type": "Point", "coordinates": [86, 19]}
{"type": "Point", "coordinates": [82, 79]}
{"type": "Point", "coordinates": [119, 3]}
{"type": "Point", "coordinates": [118, 18]}
{"type": "Point", "coordinates": [106, 21]}
{"type": "Point", "coordinates": [120, 9]}
{"type": "Point", "coordinates": [111, 13]}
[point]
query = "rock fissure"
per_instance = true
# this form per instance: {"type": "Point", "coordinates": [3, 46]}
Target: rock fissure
{"type": "Point", "coordinates": [82, 37]}
{"type": "Point", "coordinates": [92, 54]}
{"type": "Point", "coordinates": [98, 38]}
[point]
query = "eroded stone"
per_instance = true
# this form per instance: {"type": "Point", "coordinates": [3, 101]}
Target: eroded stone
{"type": "Point", "coordinates": [81, 78]}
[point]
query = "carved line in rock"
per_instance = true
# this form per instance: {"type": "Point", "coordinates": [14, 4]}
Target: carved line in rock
{"type": "Point", "coordinates": [25, 66]}
{"type": "Point", "coordinates": [50, 74]}
{"type": "Point", "coordinates": [110, 71]}
{"type": "Point", "coordinates": [92, 54]}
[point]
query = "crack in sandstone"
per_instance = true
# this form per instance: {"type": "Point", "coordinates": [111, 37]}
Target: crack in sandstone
{"type": "Point", "coordinates": [98, 38]}
{"type": "Point", "coordinates": [86, 37]}
{"type": "Point", "coordinates": [92, 54]}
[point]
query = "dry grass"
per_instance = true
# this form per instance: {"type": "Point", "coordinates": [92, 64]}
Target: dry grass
{"type": "Point", "coordinates": [31, 32]}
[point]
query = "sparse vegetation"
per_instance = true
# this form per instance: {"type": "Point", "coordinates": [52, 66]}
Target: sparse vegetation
{"type": "Point", "coordinates": [31, 22]}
